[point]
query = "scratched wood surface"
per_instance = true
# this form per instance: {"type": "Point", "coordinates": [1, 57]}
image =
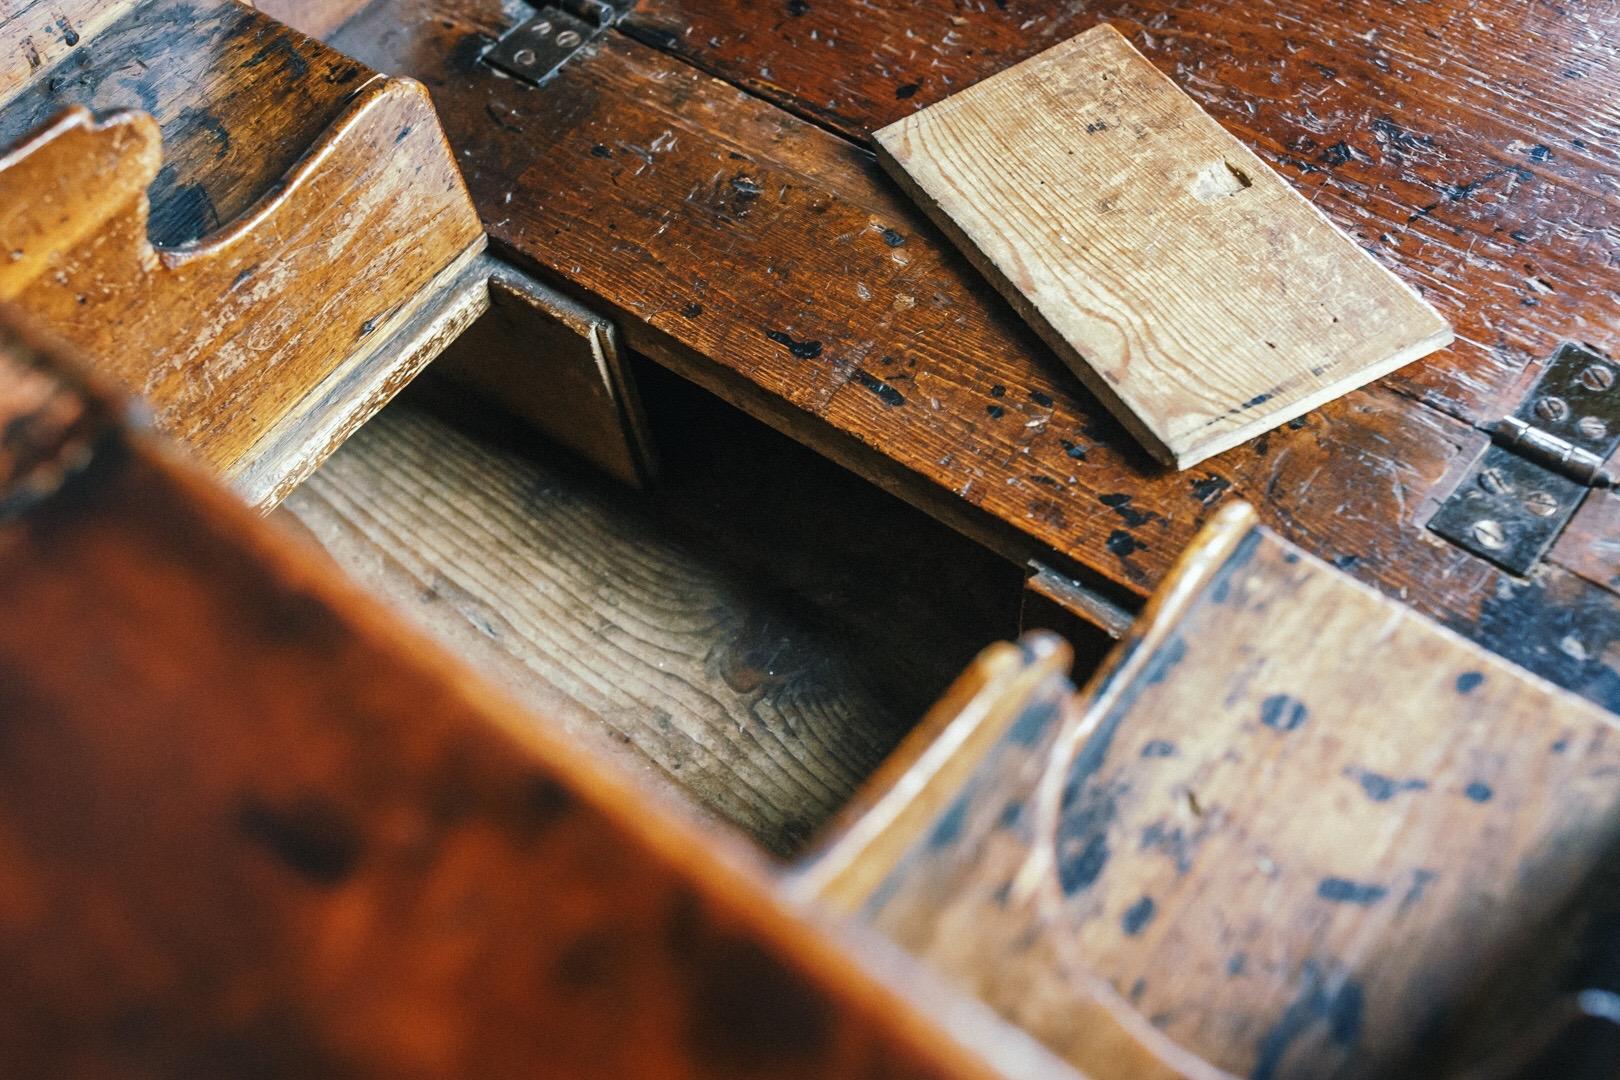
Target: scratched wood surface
{"type": "Point", "coordinates": [61, 186]}
{"type": "Point", "coordinates": [684, 630]}
{"type": "Point", "coordinates": [271, 297]}
{"type": "Point", "coordinates": [251, 827]}
{"type": "Point", "coordinates": [34, 34]}
{"type": "Point", "coordinates": [1471, 146]}
{"type": "Point", "coordinates": [1191, 288]}
{"type": "Point", "coordinates": [1010, 693]}
{"type": "Point", "coordinates": [768, 259]}
{"type": "Point", "coordinates": [1301, 830]}
{"type": "Point", "coordinates": [239, 98]}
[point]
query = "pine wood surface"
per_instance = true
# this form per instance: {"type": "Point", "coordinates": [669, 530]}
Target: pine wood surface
{"type": "Point", "coordinates": [1190, 287]}
{"type": "Point", "coordinates": [768, 259]}
{"type": "Point", "coordinates": [251, 826]}
{"type": "Point", "coordinates": [1300, 829]}
{"type": "Point", "coordinates": [755, 674]}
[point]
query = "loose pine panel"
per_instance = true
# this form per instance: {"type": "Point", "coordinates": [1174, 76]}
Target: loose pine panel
{"type": "Point", "coordinates": [1191, 288]}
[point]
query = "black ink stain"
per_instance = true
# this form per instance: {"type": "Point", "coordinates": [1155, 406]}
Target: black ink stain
{"type": "Point", "coordinates": [885, 393]}
{"type": "Point", "coordinates": [1339, 890]}
{"type": "Point", "coordinates": [1138, 916]}
{"type": "Point", "coordinates": [804, 350]}
{"type": "Point", "coordinates": [1282, 713]}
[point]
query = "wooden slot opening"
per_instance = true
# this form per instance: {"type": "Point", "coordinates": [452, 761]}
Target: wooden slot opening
{"type": "Point", "coordinates": [753, 633]}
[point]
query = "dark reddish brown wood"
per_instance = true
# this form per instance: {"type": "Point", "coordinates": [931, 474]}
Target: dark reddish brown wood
{"type": "Point", "coordinates": [250, 827]}
{"type": "Point", "coordinates": [766, 258]}
{"type": "Point", "coordinates": [1469, 145]}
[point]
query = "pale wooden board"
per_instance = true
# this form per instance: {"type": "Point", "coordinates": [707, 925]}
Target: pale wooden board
{"type": "Point", "coordinates": [1200, 296]}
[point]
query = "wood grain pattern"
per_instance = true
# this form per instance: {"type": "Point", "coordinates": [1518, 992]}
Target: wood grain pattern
{"type": "Point", "coordinates": [34, 34]}
{"type": "Point", "coordinates": [1190, 287]}
{"type": "Point", "coordinates": [744, 646]}
{"type": "Point", "coordinates": [994, 436]}
{"type": "Point", "coordinates": [251, 827]}
{"type": "Point", "coordinates": [248, 339]}
{"type": "Point", "coordinates": [1301, 829]}
{"type": "Point", "coordinates": [1470, 145]}
{"type": "Point", "coordinates": [702, 680]}
{"type": "Point", "coordinates": [1454, 138]}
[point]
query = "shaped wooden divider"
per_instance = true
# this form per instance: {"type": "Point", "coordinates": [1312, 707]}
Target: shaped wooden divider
{"type": "Point", "coordinates": [286, 316]}
{"type": "Point", "coordinates": [1300, 829]}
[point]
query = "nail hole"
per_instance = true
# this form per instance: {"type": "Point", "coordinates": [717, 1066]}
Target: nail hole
{"type": "Point", "coordinates": [1219, 180]}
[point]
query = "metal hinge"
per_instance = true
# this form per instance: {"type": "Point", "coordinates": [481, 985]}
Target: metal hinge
{"type": "Point", "coordinates": [534, 49]}
{"type": "Point", "coordinates": [1522, 490]}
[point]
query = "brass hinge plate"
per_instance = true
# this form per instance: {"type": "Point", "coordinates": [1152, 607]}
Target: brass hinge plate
{"type": "Point", "coordinates": [535, 48]}
{"type": "Point", "coordinates": [1521, 491]}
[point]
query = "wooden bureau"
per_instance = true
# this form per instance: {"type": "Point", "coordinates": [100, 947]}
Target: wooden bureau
{"type": "Point", "coordinates": [664, 684]}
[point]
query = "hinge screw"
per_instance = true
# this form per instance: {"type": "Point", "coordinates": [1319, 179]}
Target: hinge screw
{"type": "Point", "coordinates": [1494, 482]}
{"type": "Point", "coordinates": [567, 39]}
{"type": "Point", "coordinates": [1597, 377]}
{"type": "Point", "coordinates": [1592, 427]}
{"type": "Point", "coordinates": [1489, 533]}
{"type": "Point", "coordinates": [525, 57]}
{"type": "Point", "coordinates": [1552, 408]}
{"type": "Point", "coordinates": [1541, 504]}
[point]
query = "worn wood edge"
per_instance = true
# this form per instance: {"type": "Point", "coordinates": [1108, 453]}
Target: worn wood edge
{"type": "Point", "coordinates": [861, 459]}
{"type": "Point", "coordinates": [1260, 425]}
{"type": "Point", "coordinates": [146, 158]}
{"type": "Point", "coordinates": [1085, 604]}
{"type": "Point", "coordinates": [885, 819]}
{"type": "Point", "coordinates": [363, 383]}
{"type": "Point", "coordinates": [288, 189]}
{"type": "Point", "coordinates": [871, 833]}
{"type": "Point", "coordinates": [1180, 588]}
{"type": "Point", "coordinates": [607, 349]}
{"type": "Point", "coordinates": [1196, 450]}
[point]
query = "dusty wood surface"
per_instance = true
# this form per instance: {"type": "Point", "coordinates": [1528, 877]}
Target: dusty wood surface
{"type": "Point", "coordinates": [1302, 830]}
{"type": "Point", "coordinates": [251, 827]}
{"type": "Point", "coordinates": [760, 678]}
{"type": "Point", "coordinates": [1191, 288]}
{"type": "Point", "coordinates": [768, 259]}
{"type": "Point", "coordinates": [237, 338]}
